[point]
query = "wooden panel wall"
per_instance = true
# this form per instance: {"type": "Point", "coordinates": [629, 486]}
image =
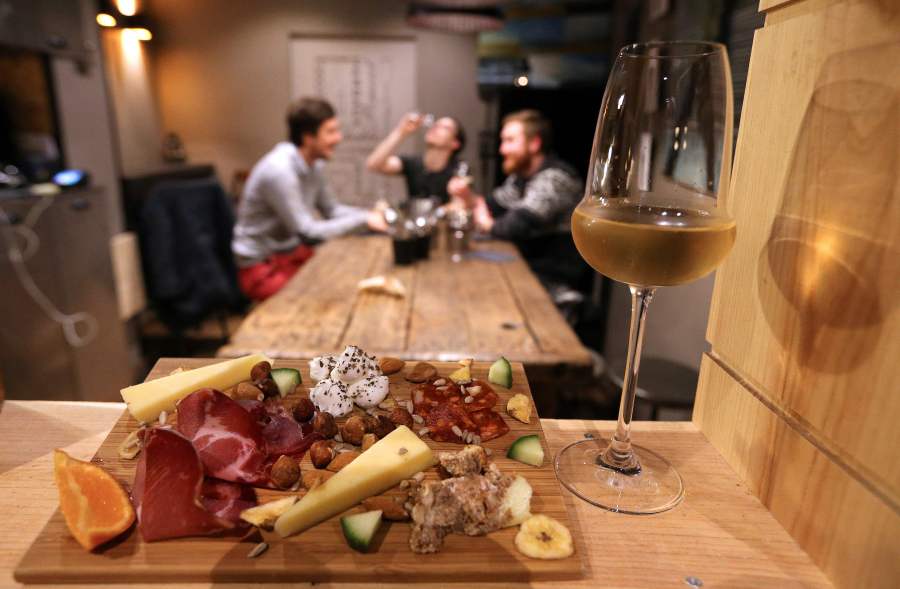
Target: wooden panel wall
{"type": "Point", "coordinates": [801, 390]}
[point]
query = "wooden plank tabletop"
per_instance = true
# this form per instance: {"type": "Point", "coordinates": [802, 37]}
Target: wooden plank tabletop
{"type": "Point", "coordinates": [720, 534]}
{"type": "Point", "coordinates": [475, 308]}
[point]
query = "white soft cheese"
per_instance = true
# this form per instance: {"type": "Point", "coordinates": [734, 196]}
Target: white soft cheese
{"type": "Point", "coordinates": [331, 396]}
{"type": "Point", "coordinates": [354, 364]}
{"type": "Point", "coordinates": [321, 366]}
{"type": "Point", "coordinates": [369, 391]}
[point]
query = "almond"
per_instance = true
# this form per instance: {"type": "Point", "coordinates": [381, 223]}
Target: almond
{"type": "Point", "coordinates": [313, 478]}
{"type": "Point", "coordinates": [246, 391]}
{"type": "Point", "coordinates": [421, 372]}
{"type": "Point", "coordinates": [391, 507]}
{"type": "Point", "coordinates": [342, 460]}
{"type": "Point", "coordinates": [390, 365]}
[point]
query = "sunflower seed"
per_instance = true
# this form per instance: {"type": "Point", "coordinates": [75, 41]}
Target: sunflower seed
{"type": "Point", "coordinates": [440, 382]}
{"type": "Point", "coordinates": [419, 477]}
{"type": "Point", "coordinates": [476, 439]}
{"type": "Point", "coordinates": [409, 405]}
{"type": "Point", "coordinates": [457, 431]}
{"type": "Point", "coordinates": [163, 416]}
{"type": "Point", "coordinates": [442, 389]}
{"type": "Point", "coordinates": [257, 550]}
{"type": "Point", "coordinates": [474, 390]}
{"type": "Point", "coordinates": [338, 438]}
{"type": "Point", "coordinates": [418, 418]}
{"type": "Point", "coordinates": [385, 405]}
{"type": "Point", "coordinates": [469, 399]}
{"type": "Point", "coordinates": [423, 431]}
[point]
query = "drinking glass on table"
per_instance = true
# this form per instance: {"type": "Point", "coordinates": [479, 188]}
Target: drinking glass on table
{"type": "Point", "coordinates": [652, 215]}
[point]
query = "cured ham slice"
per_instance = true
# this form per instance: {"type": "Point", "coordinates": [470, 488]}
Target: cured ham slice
{"type": "Point", "coordinates": [227, 500]}
{"type": "Point", "coordinates": [282, 433]}
{"type": "Point", "coordinates": [168, 487]}
{"type": "Point", "coordinates": [239, 441]}
{"type": "Point", "coordinates": [227, 437]}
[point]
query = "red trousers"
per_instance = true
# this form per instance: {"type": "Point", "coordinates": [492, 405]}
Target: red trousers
{"type": "Point", "coordinates": [262, 280]}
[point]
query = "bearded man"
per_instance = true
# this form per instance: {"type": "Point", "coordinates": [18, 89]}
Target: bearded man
{"type": "Point", "coordinates": [533, 207]}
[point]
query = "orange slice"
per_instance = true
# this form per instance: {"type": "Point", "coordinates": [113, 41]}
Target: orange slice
{"type": "Point", "coordinates": [95, 505]}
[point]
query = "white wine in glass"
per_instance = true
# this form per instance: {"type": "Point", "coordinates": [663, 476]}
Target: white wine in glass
{"type": "Point", "coordinates": [652, 216]}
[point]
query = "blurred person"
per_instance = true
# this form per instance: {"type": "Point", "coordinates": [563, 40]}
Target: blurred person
{"type": "Point", "coordinates": [426, 175]}
{"type": "Point", "coordinates": [287, 206]}
{"type": "Point", "coordinates": [533, 207]}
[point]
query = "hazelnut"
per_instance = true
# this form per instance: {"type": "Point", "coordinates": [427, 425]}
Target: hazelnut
{"type": "Point", "coordinates": [368, 441]}
{"type": "Point", "coordinates": [260, 371]}
{"type": "Point", "coordinates": [400, 416]}
{"type": "Point", "coordinates": [324, 424]}
{"type": "Point", "coordinates": [304, 410]}
{"type": "Point", "coordinates": [246, 391]}
{"type": "Point", "coordinates": [383, 426]}
{"type": "Point", "coordinates": [353, 430]}
{"type": "Point", "coordinates": [370, 423]}
{"type": "Point", "coordinates": [268, 387]}
{"type": "Point", "coordinates": [285, 472]}
{"type": "Point", "coordinates": [321, 453]}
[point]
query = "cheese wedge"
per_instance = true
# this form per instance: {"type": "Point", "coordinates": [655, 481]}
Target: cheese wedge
{"type": "Point", "coordinates": [147, 400]}
{"type": "Point", "coordinates": [397, 456]}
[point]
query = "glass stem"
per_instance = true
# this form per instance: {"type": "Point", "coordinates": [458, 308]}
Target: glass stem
{"type": "Point", "coordinates": [619, 455]}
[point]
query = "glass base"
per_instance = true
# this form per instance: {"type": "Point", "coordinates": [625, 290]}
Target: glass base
{"type": "Point", "coordinates": [656, 488]}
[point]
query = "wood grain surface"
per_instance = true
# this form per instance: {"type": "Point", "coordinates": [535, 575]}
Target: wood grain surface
{"type": "Point", "coordinates": [720, 534]}
{"type": "Point", "coordinates": [804, 318]}
{"type": "Point", "coordinates": [475, 308]}
{"type": "Point", "coordinates": [320, 553]}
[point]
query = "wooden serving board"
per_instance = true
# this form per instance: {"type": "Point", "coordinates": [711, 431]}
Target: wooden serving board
{"type": "Point", "coordinates": [319, 554]}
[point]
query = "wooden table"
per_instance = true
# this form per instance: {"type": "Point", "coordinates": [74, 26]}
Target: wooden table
{"type": "Point", "coordinates": [720, 534]}
{"type": "Point", "coordinates": [475, 308]}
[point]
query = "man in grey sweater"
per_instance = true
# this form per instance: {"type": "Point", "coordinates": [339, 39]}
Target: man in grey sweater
{"type": "Point", "coordinates": [287, 205]}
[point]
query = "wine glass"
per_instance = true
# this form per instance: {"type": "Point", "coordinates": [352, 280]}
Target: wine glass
{"type": "Point", "coordinates": [652, 215]}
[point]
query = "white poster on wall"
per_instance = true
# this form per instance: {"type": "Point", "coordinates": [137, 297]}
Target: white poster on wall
{"type": "Point", "coordinates": [371, 83]}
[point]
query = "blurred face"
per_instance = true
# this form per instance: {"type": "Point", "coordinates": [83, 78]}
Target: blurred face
{"type": "Point", "coordinates": [323, 143]}
{"type": "Point", "coordinates": [516, 148]}
{"type": "Point", "coordinates": [442, 134]}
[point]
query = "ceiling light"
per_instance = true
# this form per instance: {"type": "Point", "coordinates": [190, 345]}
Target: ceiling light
{"type": "Point", "coordinates": [106, 20]}
{"type": "Point", "coordinates": [127, 7]}
{"type": "Point", "coordinates": [521, 81]}
{"type": "Point", "coordinates": [141, 33]}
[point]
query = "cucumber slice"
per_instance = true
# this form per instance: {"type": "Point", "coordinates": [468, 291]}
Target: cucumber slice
{"type": "Point", "coordinates": [359, 529]}
{"type": "Point", "coordinates": [501, 373]}
{"type": "Point", "coordinates": [527, 449]}
{"type": "Point", "coordinates": [287, 380]}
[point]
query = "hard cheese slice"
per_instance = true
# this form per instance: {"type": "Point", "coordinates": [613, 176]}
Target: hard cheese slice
{"type": "Point", "coordinates": [397, 456]}
{"type": "Point", "coordinates": [146, 400]}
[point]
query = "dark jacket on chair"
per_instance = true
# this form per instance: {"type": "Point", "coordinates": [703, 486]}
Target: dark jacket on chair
{"type": "Point", "coordinates": [185, 234]}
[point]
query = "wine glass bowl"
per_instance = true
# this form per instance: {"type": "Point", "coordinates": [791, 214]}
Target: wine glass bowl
{"type": "Point", "coordinates": [652, 215]}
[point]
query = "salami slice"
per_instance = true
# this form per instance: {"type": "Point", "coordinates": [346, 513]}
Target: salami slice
{"type": "Point", "coordinates": [485, 399]}
{"type": "Point", "coordinates": [490, 424]}
{"type": "Point", "coordinates": [442, 419]}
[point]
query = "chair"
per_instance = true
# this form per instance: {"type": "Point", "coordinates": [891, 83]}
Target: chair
{"type": "Point", "coordinates": [662, 383]}
{"type": "Point", "coordinates": [185, 233]}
